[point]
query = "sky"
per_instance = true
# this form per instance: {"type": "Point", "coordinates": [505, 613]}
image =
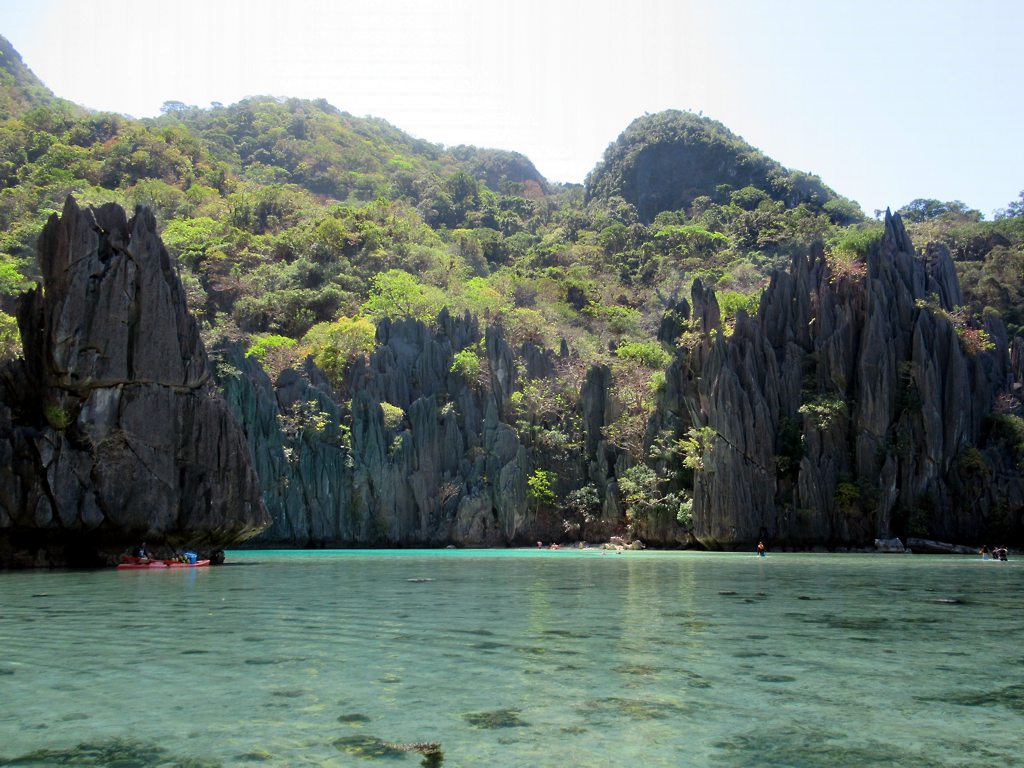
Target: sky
{"type": "Point", "coordinates": [886, 100]}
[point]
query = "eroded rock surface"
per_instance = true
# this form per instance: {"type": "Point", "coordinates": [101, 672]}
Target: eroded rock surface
{"type": "Point", "coordinates": [851, 408]}
{"type": "Point", "coordinates": [110, 429]}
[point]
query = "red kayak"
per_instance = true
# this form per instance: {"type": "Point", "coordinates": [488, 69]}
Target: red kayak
{"type": "Point", "coordinates": [144, 562]}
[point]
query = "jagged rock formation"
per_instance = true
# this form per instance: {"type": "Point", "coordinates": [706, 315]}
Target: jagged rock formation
{"type": "Point", "coordinates": [110, 430]}
{"type": "Point", "coordinates": [850, 408]}
{"type": "Point", "coordinates": [304, 473]}
{"type": "Point", "coordinates": [444, 465]}
{"type": "Point", "coordinates": [418, 479]}
{"type": "Point", "coordinates": [857, 405]}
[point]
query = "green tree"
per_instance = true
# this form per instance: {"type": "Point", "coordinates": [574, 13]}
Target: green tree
{"type": "Point", "coordinates": [12, 281]}
{"type": "Point", "coordinates": [482, 298]}
{"type": "Point", "coordinates": [923, 209]}
{"type": "Point", "coordinates": [335, 345]}
{"type": "Point", "coordinates": [690, 239]}
{"type": "Point", "coordinates": [397, 294]}
{"type": "Point", "coordinates": [647, 353]}
{"type": "Point", "coordinates": [10, 338]}
{"type": "Point", "coordinates": [188, 240]}
{"type": "Point", "coordinates": [1014, 210]}
{"type": "Point", "coordinates": [274, 352]}
{"type": "Point", "coordinates": [541, 487]}
{"type": "Point", "coordinates": [468, 363]}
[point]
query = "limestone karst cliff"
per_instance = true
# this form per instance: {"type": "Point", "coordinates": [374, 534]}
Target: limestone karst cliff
{"type": "Point", "coordinates": [853, 406]}
{"type": "Point", "coordinates": [450, 465]}
{"type": "Point", "coordinates": [856, 405]}
{"type": "Point", "coordinates": [857, 402]}
{"type": "Point", "coordinates": [110, 429]}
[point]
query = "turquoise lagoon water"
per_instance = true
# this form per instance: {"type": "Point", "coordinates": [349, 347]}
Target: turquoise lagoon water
{"type": "Point", "coordinates": [517, 658]}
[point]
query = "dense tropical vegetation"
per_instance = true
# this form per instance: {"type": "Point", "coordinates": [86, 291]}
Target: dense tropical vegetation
{"type": "Point", "coordinates": [296, 227]}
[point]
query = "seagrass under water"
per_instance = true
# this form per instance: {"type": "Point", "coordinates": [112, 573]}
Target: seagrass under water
{"type": "Point", "coordinates": [517, 658]}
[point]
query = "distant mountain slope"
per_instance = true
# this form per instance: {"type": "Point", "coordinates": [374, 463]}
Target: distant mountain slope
{"type": "Point", "coordinates": [333, 153]}
{"type": "Point", "coordinates": [495, 167]}
{"type": "Point", "coordinates": [20, 89]}
{"type": "Point", "coordinates": [264, 139]}
{"type": "Point", "coordinates": [664, 161]}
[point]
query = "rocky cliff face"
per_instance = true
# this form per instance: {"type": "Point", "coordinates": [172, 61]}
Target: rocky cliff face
{"type": "Point", "coordinates": [425, 461]}
{"type": "Point", "coordinates": [856, 405]}
{"type": "Point", "coordinates": [110, 431]}
{"type": "Point", "coordinates": [431, 457]}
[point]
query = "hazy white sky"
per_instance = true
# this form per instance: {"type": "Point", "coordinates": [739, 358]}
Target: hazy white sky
{"type": "Point", "coordinates": [886, 100]}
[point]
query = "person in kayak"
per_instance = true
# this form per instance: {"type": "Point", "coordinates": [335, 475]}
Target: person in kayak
{"type": "Point", "coordinates": [141, 553]}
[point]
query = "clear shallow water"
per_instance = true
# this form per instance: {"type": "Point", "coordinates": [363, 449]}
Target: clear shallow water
{"type": "Point", "coordinates": [518, 658]}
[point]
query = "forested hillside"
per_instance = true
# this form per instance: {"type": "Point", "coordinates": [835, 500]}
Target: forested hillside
{"type": "Point", "coordinates": [674, 160]}
{"type": "Point", "coordinates": [300, 232]}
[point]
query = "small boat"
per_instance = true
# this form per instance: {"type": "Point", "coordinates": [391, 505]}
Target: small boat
{"type": "Point", "coordinates": [135, 563]}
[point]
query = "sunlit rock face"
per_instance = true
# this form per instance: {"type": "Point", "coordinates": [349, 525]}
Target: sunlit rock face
{"type": "Point", "coordinates": [850, 408]}
{"type": "Point", "coordinates": [110, 430]}
{"type": "Point", "coordinates": [450, 465]}
{"type": "Point", "coordinates": [448, 471]}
